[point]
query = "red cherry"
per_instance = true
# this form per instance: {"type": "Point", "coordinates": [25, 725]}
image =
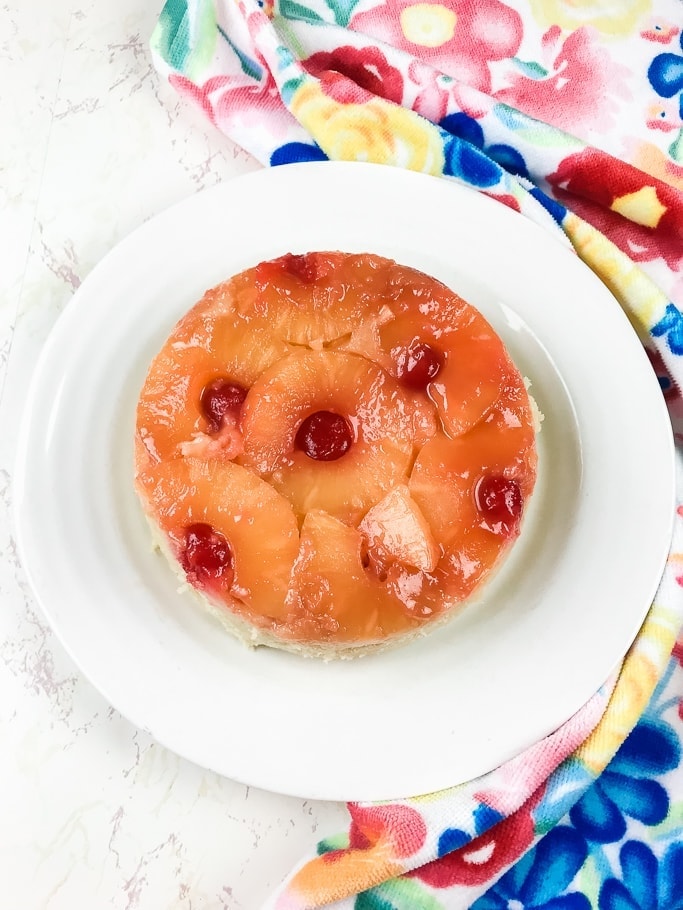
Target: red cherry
{"type": "Point", "coordinates": [324, 436]}
{"type": "Point", "coordinates": [418, 364]}
{"type": "Point", "coordinates": [219, 398]}
{"type": "Point", "coordinates": [304, 267]}
{"type": "Point", "coordinates": [206, 556]}
{"type": "Point", "coordinates": [499, 499]}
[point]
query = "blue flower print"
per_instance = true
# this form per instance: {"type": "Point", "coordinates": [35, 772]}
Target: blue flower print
{"type": "Point", "coordinates": [297, 151]}
{"type": "Point", "coordinates": [626, 788]}
{"type": "Point", "coordinates": [470, 164]}
{"type": "Point", "coordinates": [453, 838]}
{"type": "Point", "coordinates": [645, 883]}
{"type": "Point", "coordinates": [671, 325]}
{"type": "Point", "coordinates": [464, 127]}
{"type": "Point", "coordinates": [540, 878]}
{"type": "Point", "coordinates": [666, 75]}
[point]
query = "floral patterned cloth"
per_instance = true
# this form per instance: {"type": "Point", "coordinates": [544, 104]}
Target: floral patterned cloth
{"type": "Point", "coordinates": [571, 114]}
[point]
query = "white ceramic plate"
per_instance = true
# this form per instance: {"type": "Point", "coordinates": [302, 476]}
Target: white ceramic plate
{"type": "Point", "coordinates": [510, 668]}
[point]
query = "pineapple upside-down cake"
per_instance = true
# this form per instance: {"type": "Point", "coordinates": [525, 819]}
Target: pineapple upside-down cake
{"type": "Point", "coordinates": [334, 451]}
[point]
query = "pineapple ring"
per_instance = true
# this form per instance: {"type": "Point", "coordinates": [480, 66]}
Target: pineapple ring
{"type": "Point", "coordinates": [315, 298]}
{"type": "Point", "coordinates": [415, 508]}
{"type": "Point", "coordinates": [384, 427]}
{"type": "Point", "coordinates": [427, 312]}
{"type": "Point", "coordinates": [257, 523]}
{"type": "Point", "coordinates": [211, 342]}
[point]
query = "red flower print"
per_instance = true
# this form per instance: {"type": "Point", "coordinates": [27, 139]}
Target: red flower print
{"type": "Point", "coordinates": [342, 89]}
{"type": "Point", "coordinates": [400, 826]}
{"type": "Point", "coordinates": [485, 856]}
{"type": "Point", "coordinates": [367, 67]}
{"type": "Point", "coordinates": [611, 195]}
{"type": "Point", "coordinates": [506, 199]}
{"type": "Point", "coordinates": [678, 652]}
{"type": "Point", "coordinates": [581, 72]}
{"type": "Point", "coordinates": [457, 37]}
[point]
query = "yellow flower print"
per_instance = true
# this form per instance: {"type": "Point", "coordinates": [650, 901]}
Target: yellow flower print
{"type": "Point", "coordinates": [370, 130]}
{"type": "Point", "coordinates": [631, 695]}
{"type": "Point", "coordinates": [639, 675]}
{"type": "Point", "coordinates": [643, 302]}
{"type": "Point", "coordinates": [428, 24]}
{"type": "Point", "coordinates": [611, 17]}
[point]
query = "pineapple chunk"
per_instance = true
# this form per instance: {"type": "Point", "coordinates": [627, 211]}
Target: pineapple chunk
{"type": "Point", "coordinates": [332, 597]}
{"type": "Point", "coordinates": [397, 527]}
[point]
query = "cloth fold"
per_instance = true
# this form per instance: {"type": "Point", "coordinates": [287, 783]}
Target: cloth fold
{"type": "Point", "coordinates": [572, 116]}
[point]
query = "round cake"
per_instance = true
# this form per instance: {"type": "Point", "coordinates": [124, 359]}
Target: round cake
{"type": "Point", "coordinates": [334, 451]}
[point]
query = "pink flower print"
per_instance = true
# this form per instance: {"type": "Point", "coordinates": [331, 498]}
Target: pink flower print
{"type": "Point", "coordinates": [431, 100]}
{"type": "Point", "coordinates": [457, 37]}
{"type": "Point", "coordinates": [581, 72]}
{"type": "Point", "coordinates": [200, 94]}
{"type": "Point", "coordinates": [659, 30]}
{"type": "Point", "coordinates": [236, 100]}
{"type": "Point", "coordinates": [664, 115]}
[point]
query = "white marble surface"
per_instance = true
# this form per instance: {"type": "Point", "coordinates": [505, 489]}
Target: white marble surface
{"type": "Point", "coordinates": [94, 813]}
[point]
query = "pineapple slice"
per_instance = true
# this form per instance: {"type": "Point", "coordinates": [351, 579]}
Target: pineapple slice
{"type": "Point", "coordinates": [437, 343]}
{"type": "Point", "coordinates": [454, 481]}
{"type": "Point", "coordinates": [209, 346]}
{"type": "Point", "coordinates": [400, 531]}
{"type": "Point", "coordinates": [382, 424]}
{"type": "Point", "coordinates": [251, 522]}
{"type": "Point", "coordinates": [332, 597]}
{"type": "Point", "coordinates": [317, 297]}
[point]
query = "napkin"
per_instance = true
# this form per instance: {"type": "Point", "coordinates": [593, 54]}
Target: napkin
{"type": "Point", "coordinates": [572, 115]}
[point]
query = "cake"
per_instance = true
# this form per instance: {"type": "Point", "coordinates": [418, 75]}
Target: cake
{"type": "Point", "coordinates": [334, 452]}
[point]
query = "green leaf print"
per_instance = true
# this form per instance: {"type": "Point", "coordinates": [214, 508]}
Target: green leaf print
{"type": "Point", "coordinates": [205, 37]}
{"type": "Point", "coordinates": [342, 10]}
{"type": "Point", "coordinates": [335, 842]}
{"type": "Point", "coordinates": [171, 36]}
{"type": "Point", "coordinates": [398, 894]}
{"type": "Point", "coordinates": [589, 880]}
{"type": "Point", "coordinates": [249, 66]}
{"type": "Point", "coordinates": [534, 131]}
{"type": "Point", "coordinates": [289, 9]}
{"type": "Point", "coordinates": [676, 148]}
{"type": "Point", "coordinates": [530, 68]}
{"type": "Point", "coordinates": [172, 39]}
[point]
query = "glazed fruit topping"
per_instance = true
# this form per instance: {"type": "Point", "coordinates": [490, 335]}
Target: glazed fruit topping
{"type": "Point", "coordinates": [207, 556]}
{"type": "Point", "coordinates": [220, 398]}
{"type": "Point", "coordinates": [499, 500]}
{"type": "Point", "coordinates": [418, 364]}
{"type": "Point", "coordinates": [324, 436]}
{"type": "Point", "coordinates": [305, 267]}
